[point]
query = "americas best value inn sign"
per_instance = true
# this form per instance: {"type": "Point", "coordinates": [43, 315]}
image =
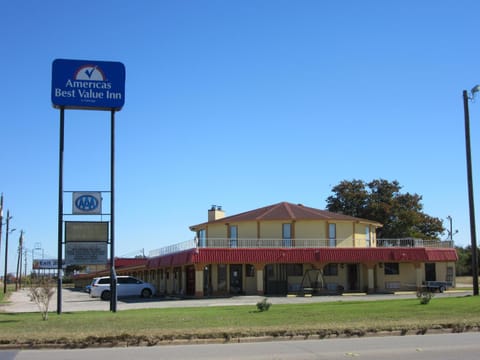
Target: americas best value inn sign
{"type": "Point", "coordinates": [85, 84]}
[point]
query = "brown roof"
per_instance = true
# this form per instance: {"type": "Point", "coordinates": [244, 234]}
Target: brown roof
{"type": "Point", "coordinates": [285, 211]}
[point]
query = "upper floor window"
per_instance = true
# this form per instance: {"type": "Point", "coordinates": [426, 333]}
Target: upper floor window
{"type": "Point", "coordinates": [287, 235]}
{"type": "Point", "coordinates": [332, 235]}
{"type": "Point", "coordinates": [367, 236]}
{"type": "Point", "coordinates": [233, 235]}
{"type": "Point", "coordinates": [202, 238]}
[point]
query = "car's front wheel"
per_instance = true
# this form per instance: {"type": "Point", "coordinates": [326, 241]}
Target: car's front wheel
{"type": "Point", "coordinates": [146, 293]}
{"type": "Point", "coordinates": [106, 295]}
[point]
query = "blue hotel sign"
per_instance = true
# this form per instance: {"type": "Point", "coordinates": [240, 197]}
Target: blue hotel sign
{"type": "Point", "coordinates": [85, 84]}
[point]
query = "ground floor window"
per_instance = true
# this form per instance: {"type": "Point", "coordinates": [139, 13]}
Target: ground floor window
{"type": "Point", "coordinates": [249, 270]}
{"type": "Point", "coordinates": [294, 269]}
{"type": "Point", "coordinates": [391, 269]}
{"type": "Point", "coordinates": [330, 270]}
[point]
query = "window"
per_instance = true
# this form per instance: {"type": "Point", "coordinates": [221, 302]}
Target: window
{"type": "Point", "coordinates": [450, 273]}
{"type": "Point", "coordinates": [249, 270]}
{"type": "Point", "coordinates": [233, 231]}
{"type": "Point", "coordinates": [330, 270]}
{"type": "Point", "coordinates": [391, 269]}
{"type": "Point", "coordinates": [332, 235]}
{"type": "Point", "coordinates": [222, 277]}
{"type": "Point", "coordinates": [202, 238]}
{"type": "Point", "coordinates": [287, 235]}
{"type": "Point", "coordinates": [294, 269]}
{"type": "Point", "coordinates": [367, 236]}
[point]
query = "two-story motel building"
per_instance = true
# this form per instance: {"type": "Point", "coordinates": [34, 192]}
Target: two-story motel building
{"type": "Point", "coordinates": [270, 250]}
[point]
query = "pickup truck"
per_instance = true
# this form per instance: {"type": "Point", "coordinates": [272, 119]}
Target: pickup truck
{"type": "Point", "coordinates": [439, 286]}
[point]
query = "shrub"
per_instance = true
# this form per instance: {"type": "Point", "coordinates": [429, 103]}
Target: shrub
{"type": "Point", "coordinates": [425, 296]}
{"type": "Point", "coordinates": [41, 292]}
{"type": "Point", "coordinates": [263, 305]}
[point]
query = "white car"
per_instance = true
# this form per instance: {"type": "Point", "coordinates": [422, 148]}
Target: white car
{"type": "Point", "coordinates": [126, 286]}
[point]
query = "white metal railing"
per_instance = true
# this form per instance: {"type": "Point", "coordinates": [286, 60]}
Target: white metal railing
{"type": "Point", "coordinates": [413, 242]}
{"type": "Point", "coordinates": [185, 245]}
{"type": "Point", "coordinates": [293, 243]}
{"type": "Point", "coordinates": [269, 243]}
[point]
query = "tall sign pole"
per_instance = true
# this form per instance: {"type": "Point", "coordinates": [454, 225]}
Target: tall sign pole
{"type": "Point", "coordinates": [60, 210]}
{"type": "Point", "coordinates": [113, 275]}
{"type": "Point", "coordinates": [1, 221]}
{"type": "Point", "coordinates": [92, 85]}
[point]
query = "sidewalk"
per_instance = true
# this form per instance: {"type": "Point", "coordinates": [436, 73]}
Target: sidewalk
{"type": "Point", "coordinates": [76, 300]}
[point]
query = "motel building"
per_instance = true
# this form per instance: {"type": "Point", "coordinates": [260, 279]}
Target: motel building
{"type": "Point", "coordinates": [290, 248]}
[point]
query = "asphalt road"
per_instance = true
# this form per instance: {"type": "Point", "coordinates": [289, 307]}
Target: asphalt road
{"type": "Point", "coordinates": [75, 300]}
{"type": "Point", "coordinates": [463, 346]}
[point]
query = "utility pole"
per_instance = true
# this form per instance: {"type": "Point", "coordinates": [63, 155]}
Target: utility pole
{"type": "Point", "coordinates": [6, 251]}
{"type": "Point", "coordinates": [1, 221]}
{"type": "Point", "coordinates": [25, 268]}
{"type": "Point", "coordinates": [473, 235]}
{"type": "Point", "coordinates": [18, 280]}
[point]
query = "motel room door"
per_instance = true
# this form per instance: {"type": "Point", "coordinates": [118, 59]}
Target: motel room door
{"type": "Point", "coordinates": [353, 277]}
{"type": "Point", "coordinates": [236, 275]}
{"type": "Point", "coordinates": [430, 272]}
{"type": "Point", "coordinates": [190, 280]}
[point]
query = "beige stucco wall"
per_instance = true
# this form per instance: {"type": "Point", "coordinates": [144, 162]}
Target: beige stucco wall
{"type": "Point", "coordinates": [249, 283]}
{"type": "Point", "coordinates": [406, 278]}
{"type": "Point", "coordinates": [310, 230]}
{"type": "Point", "coordinates": [271, 229]}
{"type": "Point", "coordinates": [217, 231]}
{"type": "Point", "coordinates": [360, 235]}
{"type": "Point", "coordinates": [247, 230]}
{"type": "Point", "coordinates": [348, 233]}
{"type": "Point", "coordinates": [344, 234]}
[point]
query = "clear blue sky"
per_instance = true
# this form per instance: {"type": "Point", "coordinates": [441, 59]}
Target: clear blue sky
{"type": "Point", "coordinates": [238, 103]}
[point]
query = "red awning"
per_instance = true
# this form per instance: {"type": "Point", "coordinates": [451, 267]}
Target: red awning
{"type": "Point", "coordinates": [308, 255]}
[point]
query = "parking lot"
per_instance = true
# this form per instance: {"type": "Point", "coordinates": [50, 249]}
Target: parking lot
{"type": "Point", "coordinates": [77, 300]}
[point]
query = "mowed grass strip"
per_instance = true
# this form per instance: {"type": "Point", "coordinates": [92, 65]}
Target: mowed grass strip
{"type": "Point", "coordinates": [226, 321]}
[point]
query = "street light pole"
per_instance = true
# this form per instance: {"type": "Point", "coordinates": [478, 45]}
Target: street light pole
{"type": "Point", "coordinates": [473, 235]}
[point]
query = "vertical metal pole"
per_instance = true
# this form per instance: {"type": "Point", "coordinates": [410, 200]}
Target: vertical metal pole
{"type": "Point", "coordinates": [113, 276]}
{"type": "Point", "coordinates": [1, 221]}
{"type": "Point", "coordinates": [473, 235]}
{"type": "Point", "coordinates": [60, 211]}
{"type": "Point", "coordinates": [18, 280]}
{"type": "Point", "coordinates": [6, 253]}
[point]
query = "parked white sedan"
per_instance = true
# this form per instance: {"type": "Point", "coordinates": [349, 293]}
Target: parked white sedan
{"type": "Point", "coordinates": [126, 286]}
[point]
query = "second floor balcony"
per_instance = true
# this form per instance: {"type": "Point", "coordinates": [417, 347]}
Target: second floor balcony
{"type": "Point", "coordinates": [299, 243]}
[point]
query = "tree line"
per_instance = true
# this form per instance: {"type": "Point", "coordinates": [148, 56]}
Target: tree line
{"type": "Point", "coordinates": [401, 214]}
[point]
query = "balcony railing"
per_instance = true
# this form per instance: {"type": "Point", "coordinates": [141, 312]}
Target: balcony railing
{"type": "Point", "coordinates": [296, 243]}
{"type": "Point", "coordinates": [412, 242]}
{"type": "Point", "coordinates": [185, 245]}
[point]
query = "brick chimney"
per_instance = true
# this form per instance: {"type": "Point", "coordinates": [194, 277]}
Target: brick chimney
{"type": "Point", "coordinates": [215, 213]}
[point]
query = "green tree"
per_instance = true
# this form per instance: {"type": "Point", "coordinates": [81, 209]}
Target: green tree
{"type": "Point", "coordinates": [381, 200]}
{"type": "Point", "coordinates": [463, 266]}
{"type": "Point", "coordinates": [464, 263]}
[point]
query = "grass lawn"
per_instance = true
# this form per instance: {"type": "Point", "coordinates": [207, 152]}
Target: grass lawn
{"type": "Point", "coordinates": [156, 325]}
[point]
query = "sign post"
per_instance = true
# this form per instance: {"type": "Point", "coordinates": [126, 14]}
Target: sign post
{"type": "Point", "coordinates": [87, 85]}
